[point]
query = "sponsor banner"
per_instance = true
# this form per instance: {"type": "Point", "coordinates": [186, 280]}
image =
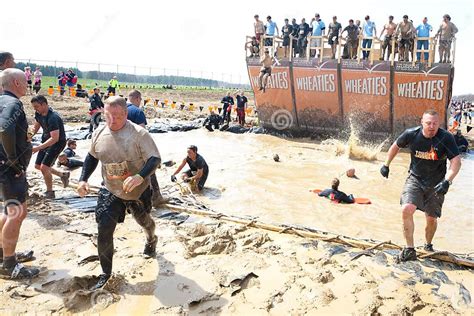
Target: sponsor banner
{"type": "Point", "coordinates": [275, 105]}
{"type": "Point", "coordinates": [366, 95]}
{"type": "Point", "coordinates": [416, 92]}
{"type": "Point", "coordinates": [316, 93]}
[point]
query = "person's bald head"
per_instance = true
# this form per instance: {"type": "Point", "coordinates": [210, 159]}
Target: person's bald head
{"type": "Point", "coordinates": [14, 81]}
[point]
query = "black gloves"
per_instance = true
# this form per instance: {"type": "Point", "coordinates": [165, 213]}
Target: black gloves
{"type": "Point", "coordinates": [442, 187]}
{"type": "Point", "coordinates": [173, 178]}
{"type": "Point", "coordinates": [384, 171]}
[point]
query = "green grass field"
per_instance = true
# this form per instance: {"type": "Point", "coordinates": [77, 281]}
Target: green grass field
{"type": "Point", "coordinates": [90, 83]}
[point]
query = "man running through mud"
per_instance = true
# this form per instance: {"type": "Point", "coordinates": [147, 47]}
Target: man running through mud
{"type": "Point", "coordinates": [198, 168]}
{"type": "Point", "coordinates": [53, 142]}
{"type": "Point", "coordinates": [428, 180]}
{"type": "Point", "coordinates": [266, 71]}
{"type": "Point", "coordinates": [129, 156]}
{"type": "Point", "coordinates": [15, 155]}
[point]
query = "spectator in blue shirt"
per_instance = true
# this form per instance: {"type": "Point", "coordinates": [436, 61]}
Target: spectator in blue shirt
{"type": "Point", "coordinates": [135, 114]}
{"type": "Point", "coordinates": [423, 30]}
{"type": "Point", "coordinates": [368, 29]}
{"type": "Point", "coordinates": [318, 27]}
{"type": "Point", "coordinates": [270, 29]}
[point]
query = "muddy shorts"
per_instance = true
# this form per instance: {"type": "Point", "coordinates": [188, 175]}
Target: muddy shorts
{"type": "Point", "coordinates": [286, 40]}
{"type": "Point", "coordinates": [405, 42]}
{"type": "Point", "coordinates": [387, 41]}
{"type": "Point", "coordinates": [266, 70]}
{"type": "Point", "coordinates": [333, 39]}
{"type": "Point", "coordinates": [115, 208]}
{"type": "Point", "coordinates": [13, 189]}
{"type": "Point", "coordinates": [201, 182]}
{"type": "Point", "coordinates": [446, 44]}
{"type": "Point", "coordinates": [49, 155]}
{"type": "Point", "coordinates": [425, 198]}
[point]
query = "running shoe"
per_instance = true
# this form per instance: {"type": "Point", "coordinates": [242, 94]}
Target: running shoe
{"type": "Point", "coordinates": [407, 254]}
{"type": "Point", "coordinates": [150, 248]}
{"type": "Point", "coordinates": [18, 271]}
{"type": "Point", "coordinates": [103, 279]}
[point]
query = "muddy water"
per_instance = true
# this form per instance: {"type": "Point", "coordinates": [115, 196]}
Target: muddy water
{"type": "Point", "coordinates": [245, 180]}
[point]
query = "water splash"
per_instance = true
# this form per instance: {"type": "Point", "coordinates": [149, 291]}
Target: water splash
{"type": "Point", "coordinates": [354, 148]}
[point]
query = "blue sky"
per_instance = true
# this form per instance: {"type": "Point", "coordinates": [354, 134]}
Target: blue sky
{"type": "Point", "coordinates": [204, 36]}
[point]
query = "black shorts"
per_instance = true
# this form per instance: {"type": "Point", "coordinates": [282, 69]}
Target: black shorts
{"type": "Point", "coordinates": [286, 41]}
{"type": "Point", "coordinates": [201, 182]}
{"type": "Point", "coordinates": [425, 198]}
{"type": "Point", "coordinates": [335, 41]}
{"type": "Point", "coordinates": [405, 42]}
{"type": "Point", "coordinates": [266, 70]}
{"type": "Point", "coordinates": [14, 190]}
{"type": "Point", "coordinates": [29, 82]}
{"type": "Point", "coordinates": [49, 155]}
{"type": "Point", "coordinates": [113, 207]}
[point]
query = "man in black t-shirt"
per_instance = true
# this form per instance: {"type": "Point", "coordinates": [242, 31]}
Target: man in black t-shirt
{"type": "Point", "coordinates": [286, 31]}
{"type": "Point", "coordinates": [95, 109]}
{"type": "Point", "coordinates": [428, 179]}
{"type": "Point", "coordinates": [241, 107]}
{"type": "Point", "coordinates": [198, 168]}
{"type": "Point", "coordinates": [53, 142]}
{"type": "Point", "coordinates": [303, 31]}
{"type": "Point", "coordinates": [228, 102]}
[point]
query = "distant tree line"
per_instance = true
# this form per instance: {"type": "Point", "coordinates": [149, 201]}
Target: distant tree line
{"type": "Point", "coordinates": [123, 77]}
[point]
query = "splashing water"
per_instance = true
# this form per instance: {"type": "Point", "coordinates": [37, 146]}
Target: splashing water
{"type": "Point", "coordinates": [354, 149]}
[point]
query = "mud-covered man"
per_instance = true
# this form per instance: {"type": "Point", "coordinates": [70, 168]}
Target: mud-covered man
{"type": "Point", "coordinates": [446, 33]}
{"type": "Point", "coordinates": [266, 71]}
{"type": "Point", "coordinates": [428, 180]}
{"type": "Point", "coordinates": [129, 156]}
{"type": "Point", "coordinates": [198, 169]}
{"type": "Point", "coordinates": [15, 155]}
{"type": "Point", "coordinates": [405, 33]}
{"type": "Point", "coordinates": [390, 29]}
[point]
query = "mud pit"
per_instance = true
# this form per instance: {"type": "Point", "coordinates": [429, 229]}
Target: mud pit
{"type": "Point", "coordinates": [208, 266]}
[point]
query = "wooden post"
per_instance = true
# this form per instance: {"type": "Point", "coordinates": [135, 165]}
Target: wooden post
{"type": "Point", "coordinates": [308, 48]}
{"type": "Point", "coordinates": [359, 47]}
{"type": "Point", "coordinates": [321, 49]}
{"type": "Point", "coordinates": [392, 53]}
{"type": "Point", "coordinates": [415, 51]}
{"type": "Point", "coordinates": [453, 52]}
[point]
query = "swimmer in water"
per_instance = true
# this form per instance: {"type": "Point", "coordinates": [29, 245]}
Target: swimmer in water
{"type": "Point", "coordinates": [335, 195]}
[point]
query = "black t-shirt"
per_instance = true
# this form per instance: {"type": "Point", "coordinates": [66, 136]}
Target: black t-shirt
{"type": "Point", "coordinates": [303, 30]}
{"type": "Point", "coordinates": [199, 163]}
{"type": "Point", "coordinates": [428, 155]}
{"type": "Point", "coordinates": [287, 30]}
{"type": "Point", "coordinates": [227, 100]}
{"type": "Point", "coordinates": [14, 126]}
{"type": "Point", "coordinates": [96, 102]}
{"type": "Point", "coordinates": [352, 31]}
{"type": "Point", "coordinates": [51, 122]}
{"type": "Point", "coordinates": [295, 30]}
{"type": "Point", "coordinates": [69, 152]}
{"type": "Point", "coordinates": [241, 101]}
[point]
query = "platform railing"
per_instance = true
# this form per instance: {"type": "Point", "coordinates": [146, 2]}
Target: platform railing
{"type": "Point", "coordinates": [375, 50]}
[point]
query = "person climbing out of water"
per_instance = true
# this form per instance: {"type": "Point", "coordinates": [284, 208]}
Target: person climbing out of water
{"type": "Point", "coordinates": [461, 141]}
{"type": "Point", "coordinates": [67, 157]}
{"type": "Point", "coordinates": [213, 120]}
{"type": "Point", "coordinates": [128, 155]}
{"type": "Point", "coordinates": [335, 195]}
{"type": "Point", "coordinates": [198, 168]}
{"type": "Point", "coordinates": [428, 180]}
{"type": "Point", "coordinates": [266, 71]}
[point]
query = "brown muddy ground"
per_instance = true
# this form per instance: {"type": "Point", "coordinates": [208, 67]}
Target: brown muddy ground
{"type": "Point", "coordinates": [207, 266]}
